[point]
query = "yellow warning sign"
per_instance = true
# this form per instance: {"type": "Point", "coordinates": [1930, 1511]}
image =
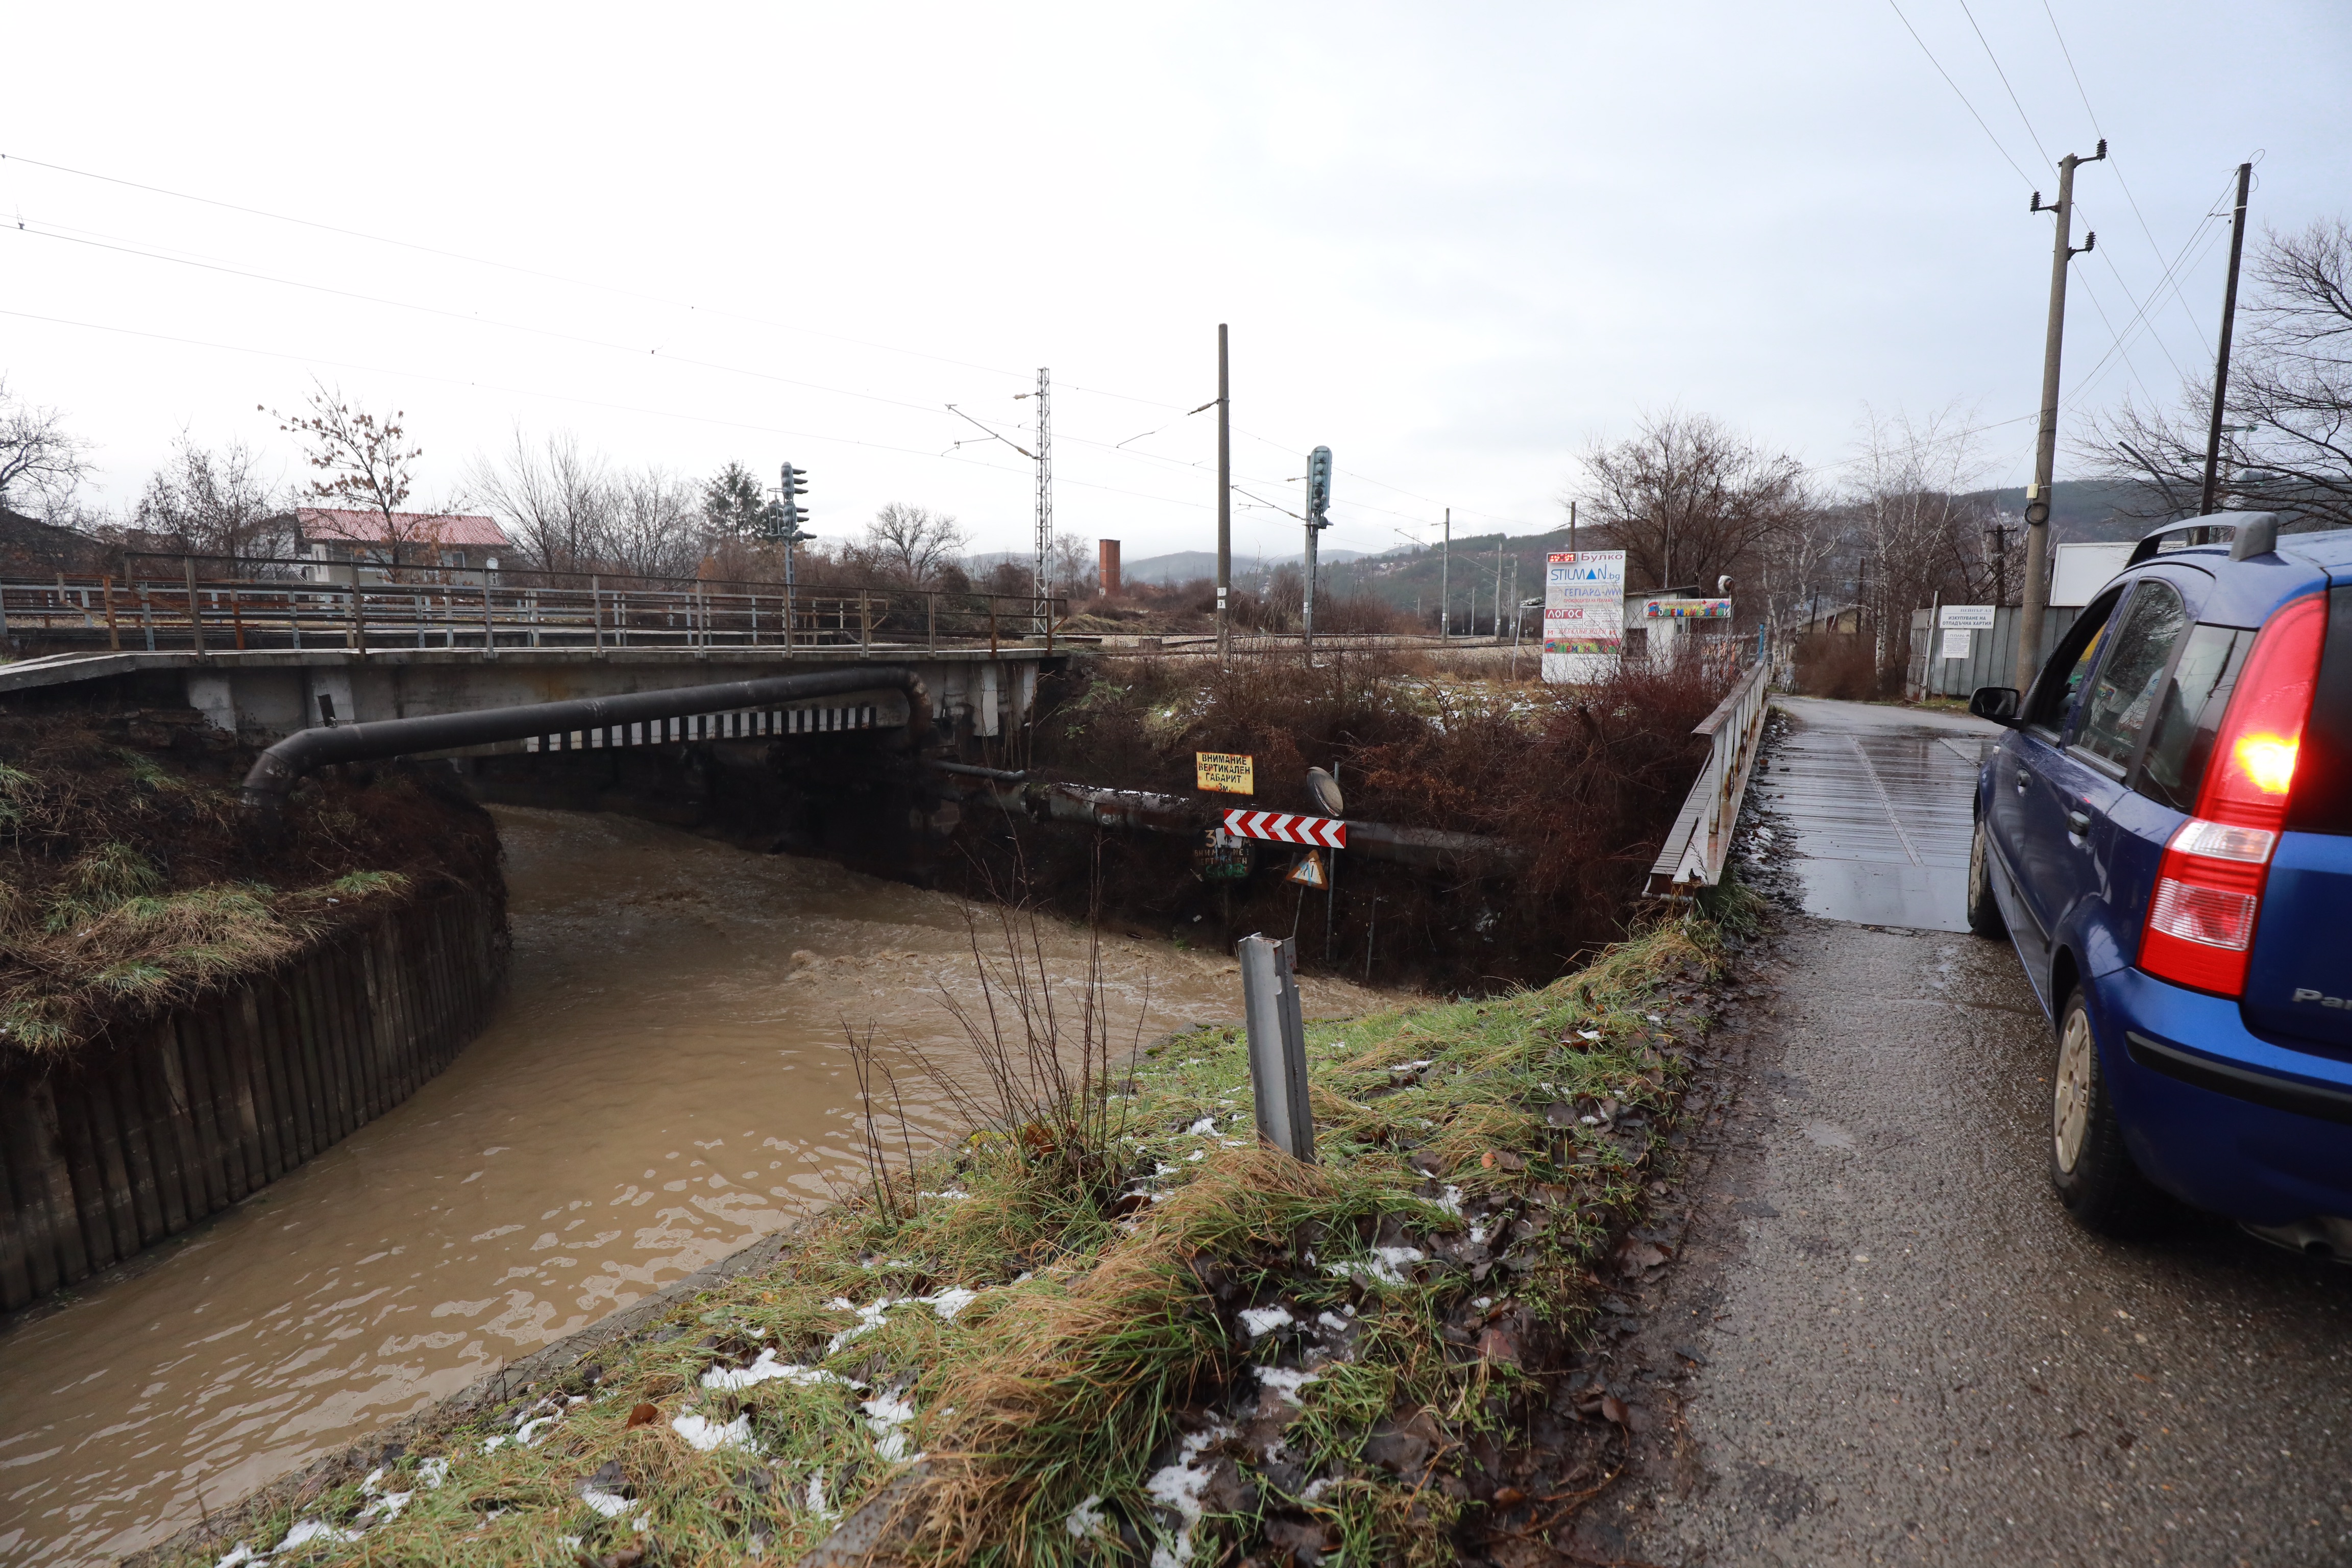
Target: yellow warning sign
{"type": "Point", "coordinates": [1309, 872]}
{"type": "Point", "coordinates": [1229, 771]}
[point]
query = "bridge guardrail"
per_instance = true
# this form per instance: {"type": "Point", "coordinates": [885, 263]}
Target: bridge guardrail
{"type": "Point", "coordinates": [438, 607]}
{"type": "Point", "coordinates": [1699, 844]}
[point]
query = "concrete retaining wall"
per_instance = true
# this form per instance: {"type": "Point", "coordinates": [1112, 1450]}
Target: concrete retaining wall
{"type": "Point", "coordinates": [140, 1136]}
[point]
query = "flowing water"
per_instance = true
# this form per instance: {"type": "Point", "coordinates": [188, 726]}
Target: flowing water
{"type": "Point", "coordinates": [666, 1081]}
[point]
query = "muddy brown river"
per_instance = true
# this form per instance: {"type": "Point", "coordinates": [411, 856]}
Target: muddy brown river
{"type": "Point", "coordinates": [666, 1081]}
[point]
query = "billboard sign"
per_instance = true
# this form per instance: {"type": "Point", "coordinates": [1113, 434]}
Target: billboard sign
{"type": "Point", "coordinates": [1584, 615]}
{"type": "Point", "coordinates": [1685, 609]}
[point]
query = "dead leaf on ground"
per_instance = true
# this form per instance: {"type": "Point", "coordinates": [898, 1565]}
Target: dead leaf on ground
{"type": "Point", "coordinates": [643, 1416]}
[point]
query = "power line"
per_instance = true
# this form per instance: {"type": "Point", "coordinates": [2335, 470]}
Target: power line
{"type": "Point", "coordinates": [2157, 250]}
{"type": "Point", "coordinates": [2030, 134]}
{"type": "Point", "coordinates": [1963, 97]}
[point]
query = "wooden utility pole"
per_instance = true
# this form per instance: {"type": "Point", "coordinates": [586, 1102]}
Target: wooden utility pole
{"type": "Point", "coordinates": [2045, 446]}
{"type": "Point", "coordinates": [1225, 500]}
{"type": "Point", "coordinates": [2210, 497]}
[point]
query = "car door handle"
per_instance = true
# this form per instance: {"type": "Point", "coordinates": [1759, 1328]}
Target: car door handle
{"type": "Point", "coordinates": [2078, 823]}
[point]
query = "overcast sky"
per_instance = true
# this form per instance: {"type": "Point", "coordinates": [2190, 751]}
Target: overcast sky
{"type": "Point", "coordinates": [1454, 243]}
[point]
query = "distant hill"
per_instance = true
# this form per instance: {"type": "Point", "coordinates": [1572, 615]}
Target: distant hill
{"type": "Point", "coordinates": [2080, 509]}
{"type": "Point", "coordinates": [1184, 565]}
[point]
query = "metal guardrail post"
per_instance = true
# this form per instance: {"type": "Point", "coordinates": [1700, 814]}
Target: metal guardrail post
{"type": "Point", "coordinates": [489, 626]}
{"type": "Point", "coordinates": [1277, 1046]}
{"type": "Point", "coordinates": [195, 605]}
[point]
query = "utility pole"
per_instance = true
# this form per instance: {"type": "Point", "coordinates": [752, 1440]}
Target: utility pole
{"type": "Point", "coordinates": [1445, 564]}
{"type": "Point", "coordinates": [2210, 498]}
{"type": "Point", "coordinates": [1043, 584]}
{"type": "Point", "coordinates": [1318, 506]}
{"type": "Point", "coordinates": [1499, 590]}
{"type": "Point", "coordinates": [2045, 446]}
{"type": "Point", "coordinates": [1224, 500]}
{"type": "Point", "coordinates": [1571, 527]}
{"type": "Point", "coordinates": [1999, 531]}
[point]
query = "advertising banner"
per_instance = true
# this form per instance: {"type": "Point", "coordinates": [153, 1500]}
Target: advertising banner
{"type": "Point", "coordinates": [1686, 609]}
{"type": "Point", "coordinates": [1967, 617]}
{"type": "Point", "coordinates": [1584, 615]}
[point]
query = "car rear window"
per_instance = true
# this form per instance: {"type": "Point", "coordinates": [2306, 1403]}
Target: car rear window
{"type": "Point", "coordinates": [2174, 768]}
{"type": "Point", "coordinates": [2322, 801]}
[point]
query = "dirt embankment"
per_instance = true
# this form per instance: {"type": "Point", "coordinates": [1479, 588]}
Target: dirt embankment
{"type": "Point", "coordinates": [1578, 783]}
{"type": "Point", "coordinates": [128, 885]}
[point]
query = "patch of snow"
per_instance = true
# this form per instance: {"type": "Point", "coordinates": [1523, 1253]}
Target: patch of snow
{"type": "Point", "coordinates": [1285, 1381]}
{"type": "Point", "coordinates": [1202, 1128]}
{"type": "Point", "coordinates": [433, 1472]}
{"type": "Point", "coordinates": [1178, 1487]}
{"type": "Point", "coordinates": [311, 1530]}
{"type": "Point", "coordinates": [1589, 1033]}
{"type": "Point", "coordinates": [1333, 1322]}
{"type": "Point", "coordinates": [388, 1506]}
{"type": "Point", "coordinates": [531, 1431]}
{"type": "Point", "coordinates": [1263, 1321]}
{"type": "Point", "coordinates": [612, 1505]}
{"type": "Point", "coordinates": [239, 1554]}
{"type": "Point", "coordinates": [1450, 1200]}
{"type": "Point", "coordinates": [1196, 1154]}
{"type": "Point", "coordinates": [886, 1414]}
{"type": "Point", "coordinates": [1386, 1264]}
{"type": "Point", "coordinates": [767, 1368]}
{"type": "Point", "coordinates": [1087, 1519]}
{"type": "Point", "coordinates": [817, 1497]}
{"type": "Point", "coordinates": [948, 1302]}
{"type": "Point", "coordinates": [703, 1434]}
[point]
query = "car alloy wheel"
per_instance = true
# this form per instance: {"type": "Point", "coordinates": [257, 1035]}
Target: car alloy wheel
{"type": "Point", "coordinates": [2070, 1108]}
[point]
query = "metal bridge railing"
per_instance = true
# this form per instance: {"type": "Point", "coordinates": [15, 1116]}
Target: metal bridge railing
{"type": "Point", "coordinates": [1699, 843]}
{"type": "Point", "coordinates": [255, 605]}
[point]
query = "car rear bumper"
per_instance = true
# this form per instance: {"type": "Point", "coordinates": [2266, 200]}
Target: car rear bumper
{"type": "Point", "coordinates": [2219, 1116]}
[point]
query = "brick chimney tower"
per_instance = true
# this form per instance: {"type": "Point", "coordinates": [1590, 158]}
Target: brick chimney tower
{"type": "Point", "coordinates": [1107, 563]}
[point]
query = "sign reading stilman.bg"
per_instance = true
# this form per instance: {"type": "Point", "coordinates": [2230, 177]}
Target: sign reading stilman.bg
{"type": "Point", "coordinates": [1229, 771]}
{"type": "Point", "coordinates": [1584, 615]}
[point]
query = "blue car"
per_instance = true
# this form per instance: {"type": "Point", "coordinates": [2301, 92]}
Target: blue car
{"type": "Point", "coordinates": [2165, 834]}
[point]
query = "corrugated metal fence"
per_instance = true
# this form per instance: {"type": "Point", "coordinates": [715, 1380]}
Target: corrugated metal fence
{"type": "Point", "coordinates": [1992, 654]}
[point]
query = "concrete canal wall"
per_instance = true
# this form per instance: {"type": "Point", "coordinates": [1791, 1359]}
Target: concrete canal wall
{"type": "Point", "coordinates": [143, 1134]}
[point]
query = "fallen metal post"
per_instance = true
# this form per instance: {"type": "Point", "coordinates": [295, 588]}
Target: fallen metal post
{"type": "Point", "coordinates": [1277, 1046]}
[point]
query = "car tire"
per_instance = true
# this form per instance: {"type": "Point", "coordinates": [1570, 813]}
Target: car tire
{"type": "Point", "coordinates": [2093, 1172]}
{"type": "Point", "coordinates": [1984, 909]}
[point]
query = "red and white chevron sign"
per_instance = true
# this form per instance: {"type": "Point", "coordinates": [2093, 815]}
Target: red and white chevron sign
{"type": "Point", "coordinates": [1284, 828]}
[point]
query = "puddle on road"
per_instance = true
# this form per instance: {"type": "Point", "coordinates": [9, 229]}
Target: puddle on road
{"type": "Point", "coordinates": [664, 1082]}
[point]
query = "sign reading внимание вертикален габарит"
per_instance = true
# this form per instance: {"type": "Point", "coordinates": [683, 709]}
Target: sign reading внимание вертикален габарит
{"type": "Point", "coordinates": [1584, 615]}
{"type": "Point", "coordinates": [1231, 773]}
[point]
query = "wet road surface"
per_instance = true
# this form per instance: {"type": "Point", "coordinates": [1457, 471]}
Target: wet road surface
{"type": "Point", "coordinates": [664, 1083]}
{"type": "Point", "coordinates": [1885, 1341]}
{"type": "Point", "coordinates": [1877, 800]}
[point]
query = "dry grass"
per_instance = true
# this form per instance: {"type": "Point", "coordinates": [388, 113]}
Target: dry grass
{"type": "Point", "coordinates": [126, 885]}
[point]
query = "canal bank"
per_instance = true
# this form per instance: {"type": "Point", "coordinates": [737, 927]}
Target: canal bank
{"type": "Point", "coordinates": [664, 1082]}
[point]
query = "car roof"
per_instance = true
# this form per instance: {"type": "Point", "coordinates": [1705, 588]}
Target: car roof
{"type": "Point", "coordinates": [2244, 592]}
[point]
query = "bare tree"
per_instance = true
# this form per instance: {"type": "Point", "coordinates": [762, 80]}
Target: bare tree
{"type": "Point", "coordinates": [1076, 571]}
{"type": "Point", "coordinates": [911, 543]}
{"type": "Point", "coordinates": [1920, 534]}
{"type": "Point", "coordinates": [41, 462]}
{"type": "Point", "coordinates": [212, 504]}
{"type": "Point", "coordinates": [2286, 442]}
{"type": "Point", "coordinates": [652, 524]}
{"type": "Point", "coordinates": [368, 466]}
{"type": "Point", "coordinates": [556, 500]}
{"type": "Point", "coordinates": [1688, 501]}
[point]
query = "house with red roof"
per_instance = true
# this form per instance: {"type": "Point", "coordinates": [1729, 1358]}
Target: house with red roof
{"type": "Point", "coordinates": [374, 545]}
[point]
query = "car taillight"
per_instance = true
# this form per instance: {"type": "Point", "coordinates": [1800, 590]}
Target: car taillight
{"type": "Point", "coordinates": [2209, 890]}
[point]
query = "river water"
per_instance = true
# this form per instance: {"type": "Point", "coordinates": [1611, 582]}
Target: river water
{"type": "Point", "coordinates": [666, 1081]}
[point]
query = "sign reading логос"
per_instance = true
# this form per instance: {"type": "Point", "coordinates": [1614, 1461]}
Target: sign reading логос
{"type": "Point", "coordinates": [1229, 771]}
